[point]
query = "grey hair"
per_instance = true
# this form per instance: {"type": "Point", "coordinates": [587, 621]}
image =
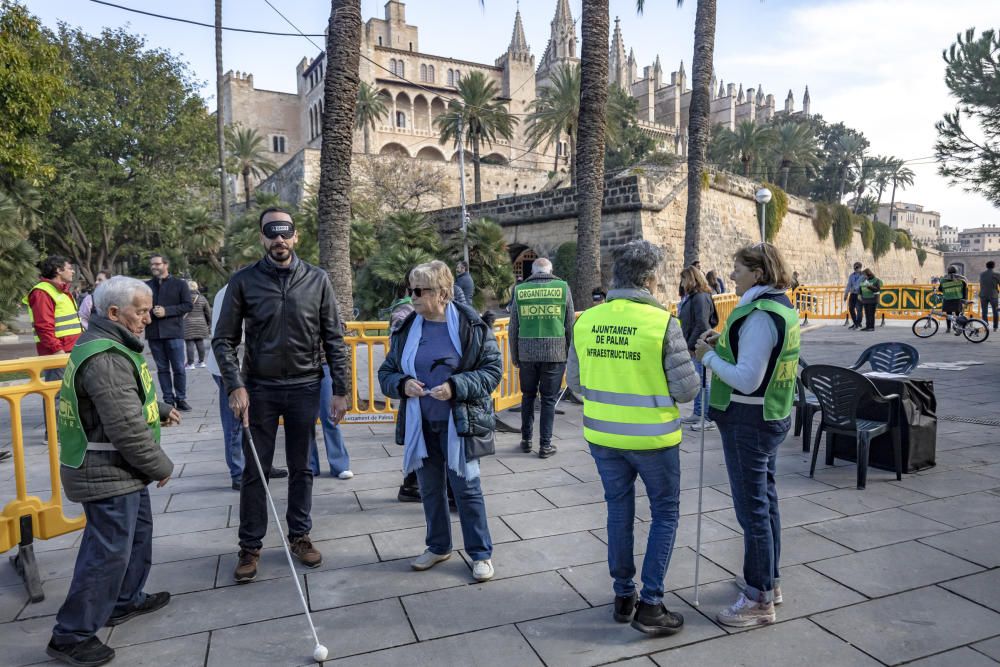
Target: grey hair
{"type": "Point", "coordinates": [118, 291]}
{"type": "Point", "coordinates": [541, 265]}
{"type": "Point", "coordinates": [634, 264]}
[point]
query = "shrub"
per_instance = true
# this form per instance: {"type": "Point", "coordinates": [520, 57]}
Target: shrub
{"type": "Point", "coordinates": [822, 221]}
{"type": "Point", "coordinates": [843, 226]}
{"type": "Point", "coordinates": [921, 256]}
{"type": "Point", "coordinates": [564, 263]}
{"type": "Point", "coordinates": [902, 240]}
{"type": "Point", "coordinates": [777, 209]}
{"type": "Point", "coordinates": [882, 240]}
{"type": "Point", "coordinates": [866, 229]}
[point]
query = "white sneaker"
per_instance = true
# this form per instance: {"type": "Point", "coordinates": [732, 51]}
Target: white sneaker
{"type": "Point", "coordinates": [741, 583]}
{"type": "Point", "coordinates": [427, 560]}
{"type": "Point", "coordinates": [189, 367]}
{"type": "Point", "coordinates": [201, 364]}
{"type": "Point", "coordinates": [709, 425]}
{"type": "Point", "coordinates": [745, 613]}
{"type": "Point", "coordinates": [482, 570]}
{"type": "Point", "coordinates": [347, 474]}
{"type": "Point", "coordinates": [692, 419]}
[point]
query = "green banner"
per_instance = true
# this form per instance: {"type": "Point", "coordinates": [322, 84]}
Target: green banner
{"type": "Point", "coordinates": [908, 298]}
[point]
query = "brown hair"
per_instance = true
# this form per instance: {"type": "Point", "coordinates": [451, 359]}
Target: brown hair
{"type": "Point", "coordinates": [769, 260]}
{"type": "Point", "coordinates": [693, 281]}
{"type": "Point", "coordinates": [869, 273]}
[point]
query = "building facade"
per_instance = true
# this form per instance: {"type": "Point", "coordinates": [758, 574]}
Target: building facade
{"type": "Point", "coordinates": [924, 226]}
{"type": "Point", "coordinates": [980, 239]}
{"type": "Point", "coordinates": [949, 238]}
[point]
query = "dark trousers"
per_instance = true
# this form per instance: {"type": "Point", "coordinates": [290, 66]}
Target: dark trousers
{"type": "Point", "coordinates": [984, 308]}
{"type": "Point", "coordinates": [111, 567]}
{"type": "Point", "coordinates": [854, 308]}
{"type": "Point", "coordinates": [168, 353]}
{"type": "Point", "coordinates": [297, 405]}
{"type": "Point", "coordinates": [952, 307]}
{"type": "Point", "coordinates": [195, 347]}
{"type": "Point", "coordinates": [870, 314]}
{"type": "Point", "coordinates": [543, 378]}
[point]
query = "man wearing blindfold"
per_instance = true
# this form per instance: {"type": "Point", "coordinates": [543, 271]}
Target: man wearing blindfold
{"type": "Point", "coordinates": [289, 313]}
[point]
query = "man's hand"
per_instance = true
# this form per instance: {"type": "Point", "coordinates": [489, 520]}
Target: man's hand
{"type": "Point", "coordinates": [159, 311]}
{"type": "Point", "coordinates": [173, 418]}
{"type": "Point", "coordinates": [705, 344]}
{"type": "Point", "coordinates": [413, 388]}
{"type": "Point", "coordinates": [239, 403]}
{"type": "Point", "coordinates": [442, 392]}
{"type": "Point", "coordinates": [338, 408]}
{"type": "Point", "coordinates": [163, 482]}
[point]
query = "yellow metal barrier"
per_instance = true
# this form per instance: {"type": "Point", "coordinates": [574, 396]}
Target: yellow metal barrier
{"type": "Point", "coordinates": [896, 302]}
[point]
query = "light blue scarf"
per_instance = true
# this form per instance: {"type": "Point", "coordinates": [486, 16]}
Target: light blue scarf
{"type": "Point", "coordinates": [414, 446]}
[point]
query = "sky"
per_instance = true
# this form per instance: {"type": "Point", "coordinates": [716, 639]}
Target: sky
{"type": "Point", "coordinates": [873, 64]}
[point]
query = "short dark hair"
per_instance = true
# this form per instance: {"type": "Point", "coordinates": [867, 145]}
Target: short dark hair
{"type": "Point", "coordinates": [52, 265]}
{"type": "Point", "coordinates": [857, 265]}
{"type": "Point", "coordinates": [272, 209]}
{"type": "Point", "coordinates": [166, 260]}
{"type": "Point", "coordinates": [991, 264]}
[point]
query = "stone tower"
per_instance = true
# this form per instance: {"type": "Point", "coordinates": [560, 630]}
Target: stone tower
{"type": "Point", "coordinates": [790, 103]}
{"type": "Point", "coordinates": [518, 85]}
{"type": "Point", "coordinates": [561, 49]}
{"type": "Point", "coordinates": [806, 102]}
{"type": "Point", "coordinates": [618, 74]}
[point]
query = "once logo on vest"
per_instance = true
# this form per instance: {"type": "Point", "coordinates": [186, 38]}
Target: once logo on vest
{"type": "Point", "coordinates": [533, 310]}
{"type": "Point", "coordinates": [540, 293]}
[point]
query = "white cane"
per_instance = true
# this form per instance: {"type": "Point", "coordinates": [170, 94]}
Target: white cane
{"type": "Point", "coordinates": [701, 485]}
{"type": "Point", "coordinates": [561, 394]}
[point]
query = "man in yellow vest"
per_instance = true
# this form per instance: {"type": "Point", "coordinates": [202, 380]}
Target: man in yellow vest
{"type": "Point", "coordinates": [630, 363]}
{"type": "Point", "coordinates": [954, 290]}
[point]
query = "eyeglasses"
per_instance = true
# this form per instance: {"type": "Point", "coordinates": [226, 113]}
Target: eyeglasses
{"type": "Point", "coordinates": [419, 291]}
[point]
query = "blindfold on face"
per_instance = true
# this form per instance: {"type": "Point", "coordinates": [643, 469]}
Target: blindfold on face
{"type": "Point", "coordinates": [283, 228]}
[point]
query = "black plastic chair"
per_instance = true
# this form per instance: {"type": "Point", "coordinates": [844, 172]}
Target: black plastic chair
{"type": "Point", "coordinates": [806, 406]}
{"type": "Point", "coordinates": [841, 391]}
{"type": "Point", "coordinates": [899, 358]}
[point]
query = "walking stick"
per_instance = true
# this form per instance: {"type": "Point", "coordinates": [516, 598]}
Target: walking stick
{"type": "Point", "coordinates": [701, 485]}
{"type": "Point", "coordinates": [561, 394]}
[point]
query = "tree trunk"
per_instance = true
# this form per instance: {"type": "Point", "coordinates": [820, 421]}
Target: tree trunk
{"type": "Point", "coordinates": [246, 189]}
{"type": "Point", "coordinates": [572, 160]}
{"type": "Point", "coordinates": [746, 166]}
{"type": "Point", "coordinates": [368, 141]}
{"type": "Point", "coordinates": [843, 184]}
{"type": "Point", "coordinates": [340, 92]}
{"type": "Point", "coordinates": [699, 123]}
{"type": "Point", "coordinates": [220, 125]}
{"type": "Point", "coordinates": [892, 202]}
{"type": "Point", "coordinates": [589, 164]}
{"type": "Point", "coordinates": [475, 168]}
{"type": "Point", "coordinates": [878, 203]}
{"type": "Point", "coordinates": [784, 175]}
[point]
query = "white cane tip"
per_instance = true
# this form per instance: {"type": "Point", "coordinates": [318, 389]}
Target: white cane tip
{"type": "Point", "coordinates": [696, 603]}
{"type": "Point", "coordinates": [319, 653]}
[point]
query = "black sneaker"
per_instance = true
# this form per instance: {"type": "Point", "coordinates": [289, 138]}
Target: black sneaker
{"type": "Point", "coordinates": [182, 405]}
{"type": "Point", "coordinates": [5, 454]}
{"type": "Point", "coordinates": [408, 494]}
{"type": "Point", "coordinates": [656, 620]}
{"type": "Point", "coordinates": [279, 473]}
{"type": "Point", "coordinates": [153, 602]}
{"type": "Point", "coordinates": [237, 484]}
{"type": "Point", "coordinates": [88, 653]}
{"type": "Point", "coordinates": [545, 451]}
{"type": "Point", "coordinates": [625, 607]}
{"type": "Point", "coordinates": [526, 446]}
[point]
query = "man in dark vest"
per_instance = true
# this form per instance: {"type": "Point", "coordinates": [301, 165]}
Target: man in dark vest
{"type": "Point", "coordinates": [109, 451]}
{"type": "Point", "coordinates": [171, 302]}
{"type": "Point", "coordinates": [541, 330]}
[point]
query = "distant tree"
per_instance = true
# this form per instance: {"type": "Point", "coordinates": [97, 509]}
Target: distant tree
{"type": "Point", "coordinates": [847, 151]}
{"type": "Point", "coordinates": [794, 145]}
{"type": "Point", "coordinates": [627, 144]}
{"type": "Point", "coordinates": [899, 175]}
{"type": "Point", "coordinates": [748, 143]}
{"type": "Point", "coordinates": [385, 185]}
{"type": "Point", "coordinates": [370, 110]}
{"type": "Point", "coordinates": [489, 262]}
{"type": "Point", "coordinates": [972, 73]}
{"type": "Point", "coordinates": [247, 157]}
{"type": "Point", "coordinates": [555, 112]}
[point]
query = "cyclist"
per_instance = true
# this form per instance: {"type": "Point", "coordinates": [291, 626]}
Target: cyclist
{"type": "Point", "coordinates": [954, 290]}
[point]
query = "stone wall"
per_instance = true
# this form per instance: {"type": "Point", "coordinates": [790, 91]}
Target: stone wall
{"type": "Point", "coordinates": [971, 264]}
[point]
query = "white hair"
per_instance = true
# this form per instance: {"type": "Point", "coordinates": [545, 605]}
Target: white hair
{"type": "Point", "coordinates": [118, 291]}
{"type": "Point", "coordinates": [541, 265]}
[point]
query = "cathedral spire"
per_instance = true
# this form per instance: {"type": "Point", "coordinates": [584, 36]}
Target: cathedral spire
{"type": "Point", "coordinates": [518, 43]}
{"type": "Point", "coordinates": [563, 14]}
{"type": "Point", "coordinates": [617, 64]}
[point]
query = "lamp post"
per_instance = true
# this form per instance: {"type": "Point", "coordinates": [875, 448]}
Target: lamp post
{"type": "Point", "coordinates": [763, 196]}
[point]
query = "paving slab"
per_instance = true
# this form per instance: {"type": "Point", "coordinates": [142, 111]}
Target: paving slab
{"type": "Point", "coordinates": [978, 544]}
{"type": "Point", "coordinates": [23, 642]}
{"type": "Point", "coordinates": [537, 479]}
{"type": "Point", "coordinates": [971, 509]}
{"type": "Point", "coordinates": [911, 625]}
{"type": "Point", "coordinates": [895, 568]}
{"type": "Point", "coordinates": [592, 637]}
{"type": "Point", "coordinates": [861, 501]}
{"type": "Point", "coordinates": [190, 521]}
{"type": "Point", "coordinates": [468, 608]}
{"type": "Point", "coordinates": [288, 641]}
{"type": "Point", "coordinates": [12, 600]}
{"type": "Point", "coordinates": [796, 643]}
{"type": "Point", "coordinates": [794, 511]}
{"type": "Point", "coordinates": [965, 657]}
{"type": "Point", "coordinates": [556, 521]}
{"type": "Point", "coordinates": [547, 553]}
{"type": "Point", "coordinates": [177, 652]}
{"type": "Point", "coordinates": [798, 545]}
{"type": "Point", "coordinates": [409, 542]}
{"type": "Point", "coordinates": [950, 483]}
{"type": "Point", "coordinates": [340, 553]}
{"type": "Point", "coordinates": [876, 529]}
{"type": "Point", "coordinates": [990, 647]}
{"type": "Point", "coordinates": [983, 588]}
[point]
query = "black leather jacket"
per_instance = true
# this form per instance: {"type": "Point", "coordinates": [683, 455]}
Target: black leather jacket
{"type": "Point", "coordinates": [290, 322]}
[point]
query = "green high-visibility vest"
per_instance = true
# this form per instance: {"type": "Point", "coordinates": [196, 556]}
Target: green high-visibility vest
{"type": "Point", "coordinates": [777, 392]}
{"type": "Point", "coordinates": [951, 289]}
{"type": "Point", "coordinates": [67, 320]}
{"type": "Point", "coordinates": [72, 437]}
{"type": "Point", "coordinates": [626, 401]}
{"type": "Point", "coordinates": [870, 287]}
{"type": "Point", "coordinates": [541, 308]}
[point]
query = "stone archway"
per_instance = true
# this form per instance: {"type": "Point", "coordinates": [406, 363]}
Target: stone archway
{"type": "Point", "coordinates": [430, 153]}
{"type": "Point", "coordinates": [393, 148]}
{"type": "Point", "coordinates": [522, 263]}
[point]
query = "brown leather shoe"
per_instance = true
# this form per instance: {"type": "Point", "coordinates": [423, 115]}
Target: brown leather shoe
{"type": "Point", "coordinates": [246, 568]}
{"type": "Point", "coordinates": [303, 549]}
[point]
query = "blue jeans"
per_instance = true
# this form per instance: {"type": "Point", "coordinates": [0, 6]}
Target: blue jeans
{"type": "Point", "coordinates": [660, 471]}
{"type": "Point", "coordinates": [232, 433]}
{"type": "Point", "coordinates": [111, 567]}
{"type": "Point", "coordinates": [169, 353]}
{"type": "Point", "coordinates": [336, 451]}
{"type": "Point", "coordinates": [699, 369]}
{"type": "Point", "coordinates": [434, 476]}
{"type": "Point", "coordinates": [750, 445]}
{"type": "Point", "coordinates": [539, 378]}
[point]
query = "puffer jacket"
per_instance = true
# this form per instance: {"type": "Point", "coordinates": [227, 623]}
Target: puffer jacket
{"type": "Point", "coordinates": [197, 323]}
{"type": "Point", "coordinates": [110, 397]}
{"type": "Point", "coordinates": [478, 374]}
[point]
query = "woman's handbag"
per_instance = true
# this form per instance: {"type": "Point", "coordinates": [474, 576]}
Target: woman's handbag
{"type": "Point", "coordinates": [478, 446]}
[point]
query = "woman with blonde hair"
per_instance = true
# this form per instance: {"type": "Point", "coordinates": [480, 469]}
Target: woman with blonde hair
{"type": "Point", "coordinates": [443, 365]}
{"type": "Point", "coordinates": [754, 361]}
{"type": "Point", "coordinates": [695, 313]}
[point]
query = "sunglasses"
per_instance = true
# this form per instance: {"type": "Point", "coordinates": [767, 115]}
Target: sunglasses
{"type": "Point", "coordinates": [419, 291]}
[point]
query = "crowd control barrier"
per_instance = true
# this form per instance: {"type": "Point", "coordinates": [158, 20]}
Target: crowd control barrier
{"type": "Point", "coordinates": [895, 302]}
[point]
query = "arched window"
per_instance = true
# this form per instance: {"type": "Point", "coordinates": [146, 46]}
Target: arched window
{"type": "Point", "coordinates": [400, 119]}
{"type": "Point", "coordinates": [458, 77]}
{"type": "Point", "coordinates": [451, 77]}
{"type": "Point", "coordinates": [380, 41]}
{"type": "Point", "coordinates": [430, 73]}
{"type": "Point", "coordinates": [423, 72]}
{"type": "Point", "coordinates": [401, 71]}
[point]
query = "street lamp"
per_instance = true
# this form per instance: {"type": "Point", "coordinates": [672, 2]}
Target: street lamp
{"type": "Point", "coordinates": [763, 196]}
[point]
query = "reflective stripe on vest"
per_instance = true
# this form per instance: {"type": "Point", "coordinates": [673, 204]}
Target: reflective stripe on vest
{"type": "Point", "coordinates": [67, 320]}
{"type": "Point", "coordinates": [541, 309]}
{"type": "Point", "coordinates": [626, 401]}
{"type": "Point", "coordinates": [779, 389]}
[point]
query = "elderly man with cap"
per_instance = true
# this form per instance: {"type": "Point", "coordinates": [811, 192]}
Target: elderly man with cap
{"type": "Point", "coordinates": [109, 435]}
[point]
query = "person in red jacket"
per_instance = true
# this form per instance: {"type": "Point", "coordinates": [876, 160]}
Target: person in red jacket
{"type": "Point", "coordinates": [53, 311]}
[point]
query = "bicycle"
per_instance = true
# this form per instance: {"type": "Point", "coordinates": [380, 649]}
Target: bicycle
{"type": "Point", "coordinates": [974, 329]}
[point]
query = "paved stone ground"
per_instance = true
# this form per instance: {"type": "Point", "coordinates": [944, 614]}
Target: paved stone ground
{"type": "Point", "coordinates": [903, 572]}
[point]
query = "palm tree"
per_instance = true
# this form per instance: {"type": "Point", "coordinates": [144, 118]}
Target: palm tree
{"type": "Point", "coordinates": [220, 127]}
{"type": "Point", "coordinates": [699, 119]}
{"type": "Point", "coordinates": [900, 175]}
{"type": "Point", "coordinates": [881, 179]}
{"type": "Point", "coordinates": [847, 150]}
{"type": "Point", "coordinates": [748, 143]}
{"type": "Point", "coordinates": [866, 171]}
{"type": "Point", "coordinates": [794, 144]}
{"type": "Point", "coordinates": [479, 115]}
{"type": "Point", "coordinates": [247, 157]}
{"type": "Point", "coordinates": [555, 112]}
{"type": "Point", "coordinates": [340, 99]}
{"type": "Point", "coordinates": [371, 109]}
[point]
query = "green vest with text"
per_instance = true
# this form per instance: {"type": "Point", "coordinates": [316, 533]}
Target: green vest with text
{"type": "Point", "coordinates": [626, 401]}
{"type": "Point", "coordinates": [67, 320]}
{"type": "Point", "coordinates": [777, 391]}
{"type": "Point", "coordinates": [951, 289]}
{"type": "Point", "coordinates": [72, 437]}
{"type": "Point", "coordinates": [870, 287]}
{"type": "Point", "coordinates": [541, 309]}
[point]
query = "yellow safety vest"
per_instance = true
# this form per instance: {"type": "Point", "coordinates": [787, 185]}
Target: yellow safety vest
{"type": "Point", "coordinates": [67, 319]}
{"type": "Point", "coordinates": [626, 401]}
